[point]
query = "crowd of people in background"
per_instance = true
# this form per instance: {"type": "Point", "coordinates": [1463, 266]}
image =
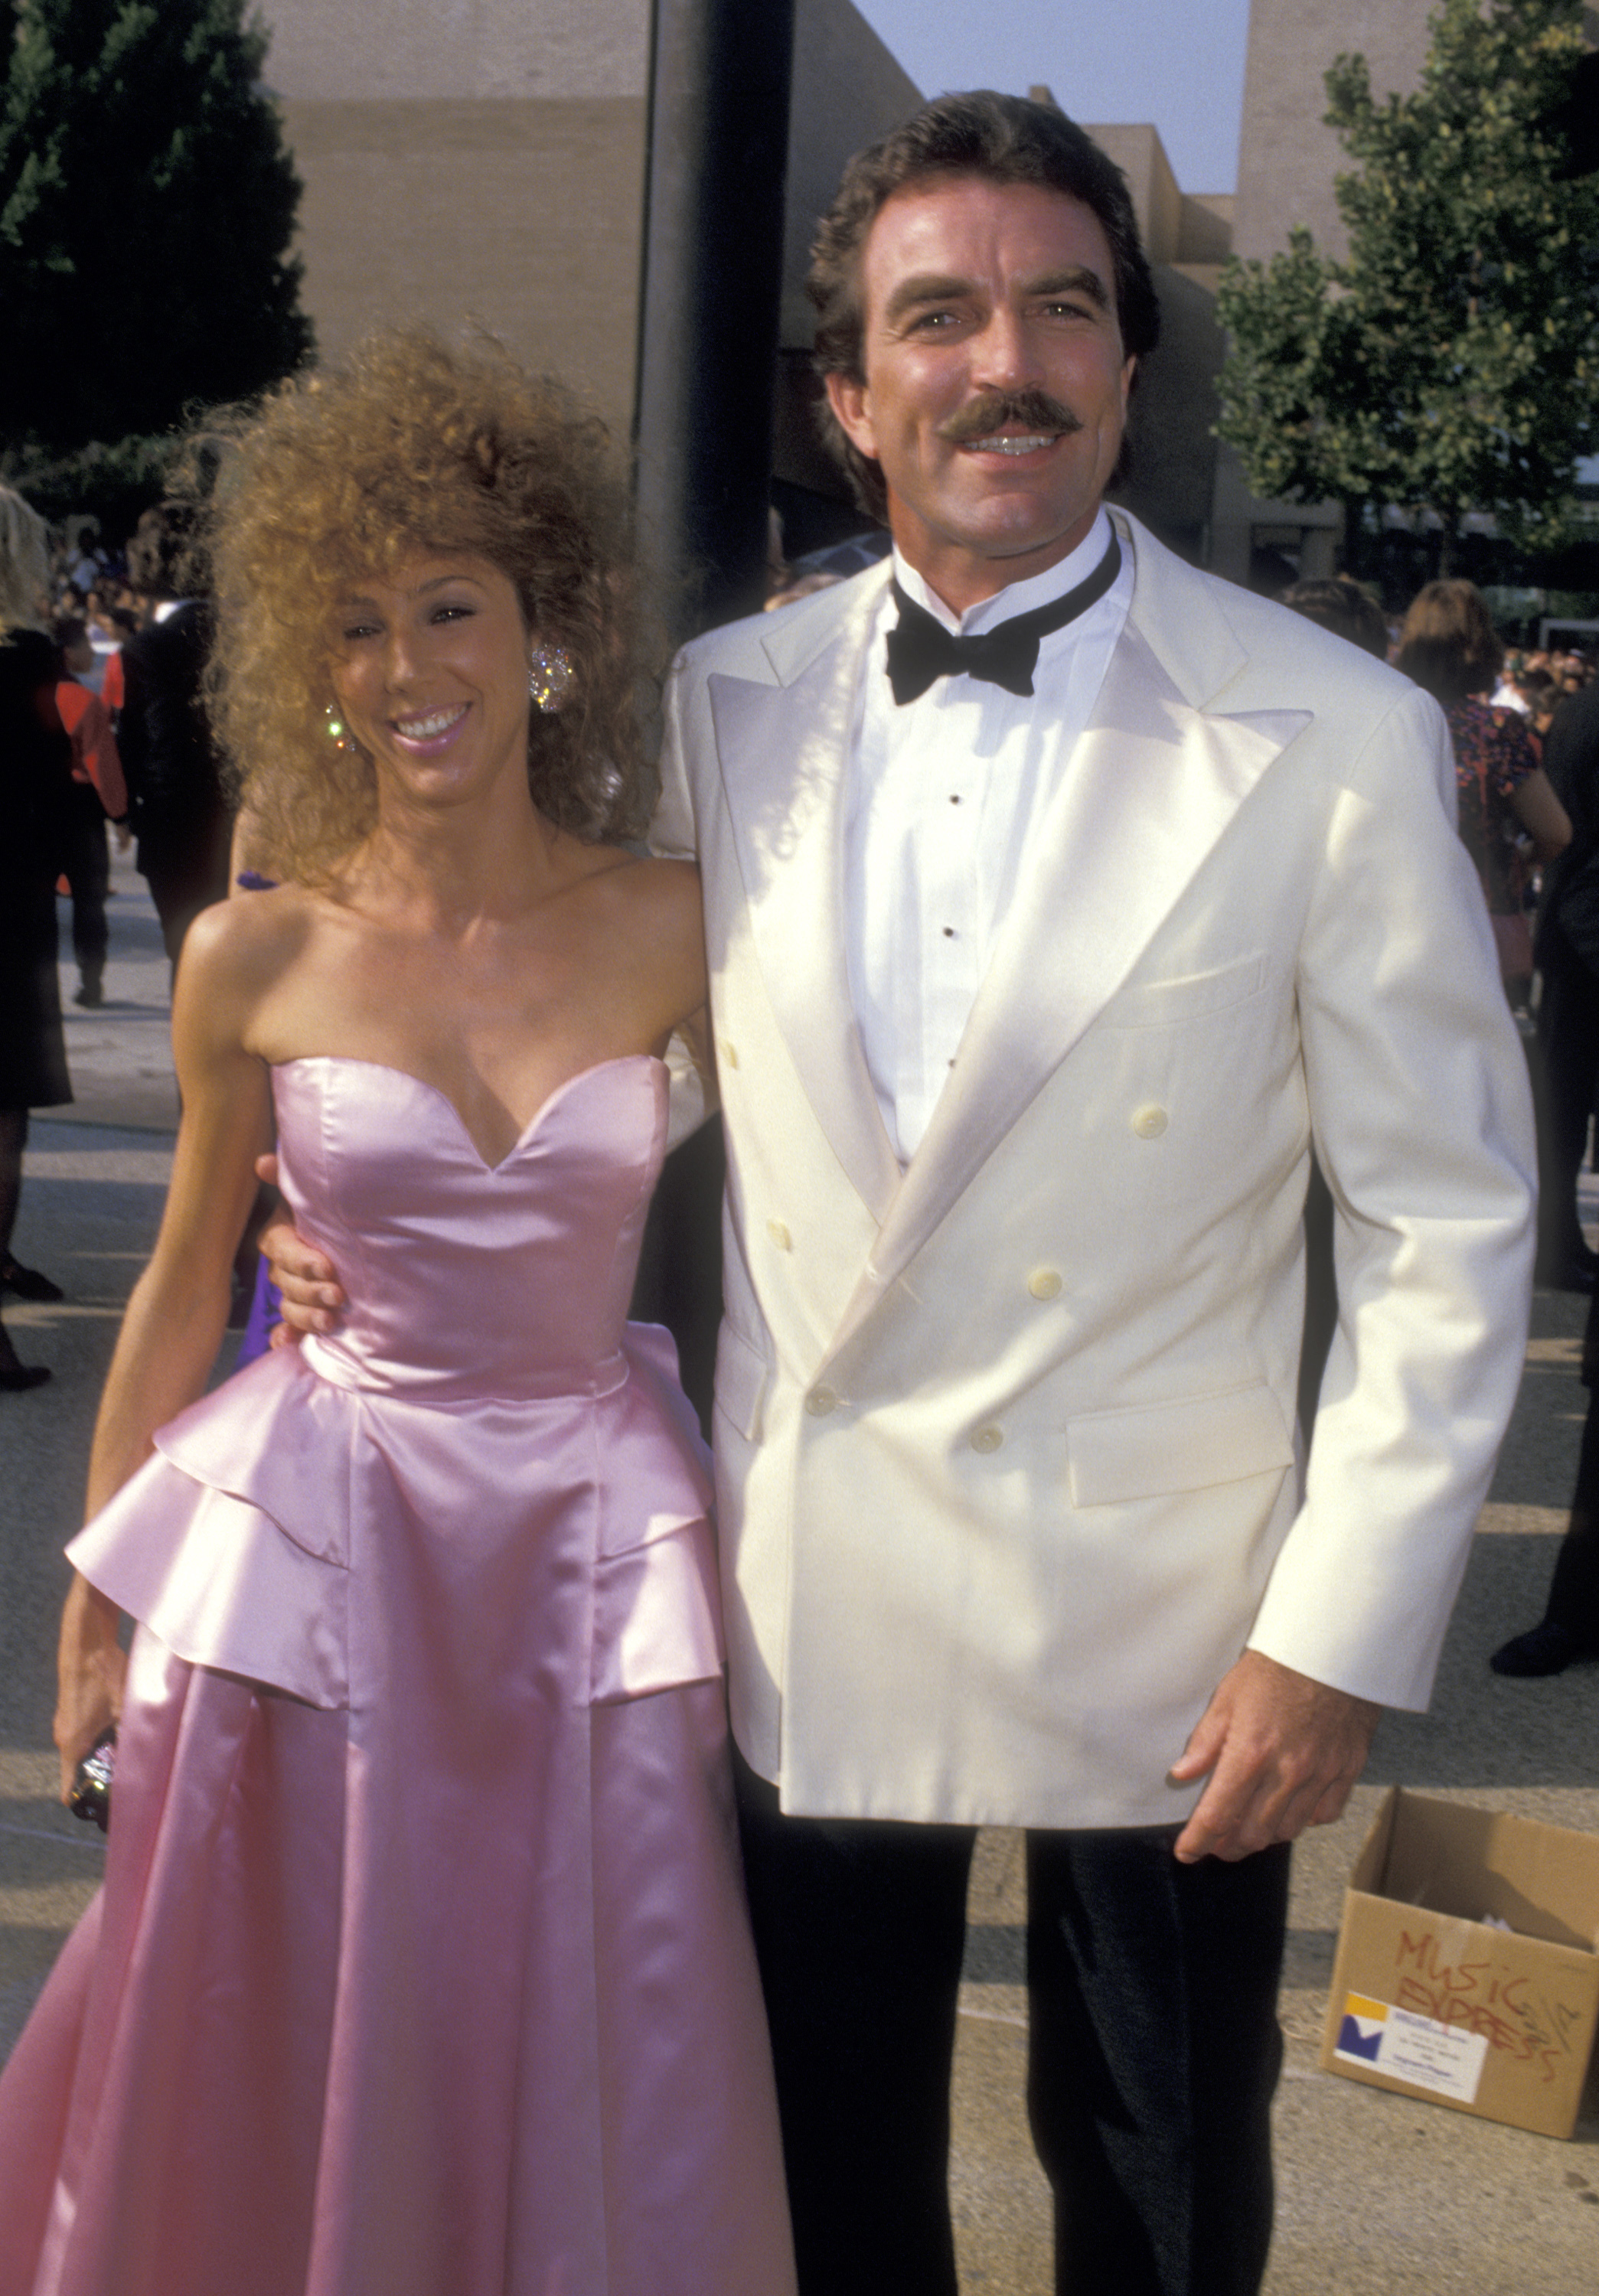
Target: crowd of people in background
{"type": "Point", "coordinates": [101, 733]}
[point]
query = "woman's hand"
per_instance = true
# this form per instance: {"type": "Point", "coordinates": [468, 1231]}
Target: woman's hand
{"type": "Point", "coordinates": [90, 1668]}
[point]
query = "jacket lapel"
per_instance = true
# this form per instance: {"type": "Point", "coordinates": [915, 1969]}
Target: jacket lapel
{"type": "Point", "coordinates": [784, 753]}
{"type": "Point", "coordinates": [1150, 788]}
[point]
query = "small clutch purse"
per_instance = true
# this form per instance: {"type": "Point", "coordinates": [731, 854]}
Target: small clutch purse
{"type": "Point", "coordinates": [90, 1794]}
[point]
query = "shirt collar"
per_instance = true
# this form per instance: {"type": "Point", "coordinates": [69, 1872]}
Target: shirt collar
{"type": "Point", "coordinates": [1017, 597]}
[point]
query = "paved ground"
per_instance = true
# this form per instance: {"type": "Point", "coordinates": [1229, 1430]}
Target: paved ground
{"type": "Point", "coordinates": [1377, 2194]}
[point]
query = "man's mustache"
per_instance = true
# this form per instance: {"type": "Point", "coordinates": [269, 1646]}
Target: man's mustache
{"type": "Point", "coordinates": [1022, 410]}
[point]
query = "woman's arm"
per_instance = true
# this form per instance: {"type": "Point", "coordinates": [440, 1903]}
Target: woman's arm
{"type": "Point", "coordinates": [179, 1311]}
{"type": "Point", "coordinates": [1542, 815]}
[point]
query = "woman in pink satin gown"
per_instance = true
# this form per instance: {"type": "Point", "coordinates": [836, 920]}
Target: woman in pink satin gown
{"type": "Point", "coordinates": [420, 1968]}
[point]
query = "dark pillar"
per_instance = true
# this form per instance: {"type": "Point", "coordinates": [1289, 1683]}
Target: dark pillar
{"type": "Point", "coordinates": [719, 80]}
{"type": "Point", "coordinates": [720, 72]}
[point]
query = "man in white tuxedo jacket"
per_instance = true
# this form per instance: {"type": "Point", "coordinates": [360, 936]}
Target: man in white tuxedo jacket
{"type": "Point", "coordinates": [1028, 1007]}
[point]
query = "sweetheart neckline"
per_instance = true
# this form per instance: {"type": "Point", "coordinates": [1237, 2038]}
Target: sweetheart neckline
{"type": "Point", "coordinates": [434, 1092]}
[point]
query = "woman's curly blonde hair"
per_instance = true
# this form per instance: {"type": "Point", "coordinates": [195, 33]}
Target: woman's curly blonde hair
{"type": "Point", "coordinates": [410, 445]}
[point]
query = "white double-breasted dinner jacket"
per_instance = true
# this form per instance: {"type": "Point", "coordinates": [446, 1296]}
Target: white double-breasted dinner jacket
{"type": "Point", "coordinates": [1007, 1467]}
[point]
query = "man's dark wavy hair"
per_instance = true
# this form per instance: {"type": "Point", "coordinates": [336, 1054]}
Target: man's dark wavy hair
{"type": "Point", "coordinates": [1008, 140]}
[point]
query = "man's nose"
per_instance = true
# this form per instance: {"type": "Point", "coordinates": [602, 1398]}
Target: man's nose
{"type": "Point", "coordinates": [1005, 355]}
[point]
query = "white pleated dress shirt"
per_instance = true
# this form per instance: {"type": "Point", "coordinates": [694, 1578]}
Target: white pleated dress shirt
{"type": "Point", "coordinates": [945, 792]}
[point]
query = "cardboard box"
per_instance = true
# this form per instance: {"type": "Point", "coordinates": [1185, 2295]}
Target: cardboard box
{"type": "Point", "coordinates": [1467, 1972]}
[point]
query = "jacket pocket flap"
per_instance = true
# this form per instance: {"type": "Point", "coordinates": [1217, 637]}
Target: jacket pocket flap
{"type": "Point", "coordinates": [1175, 1447]}
{"type": "Point", "coordinates": [741, 1377]}
{"type": "Point", "coordinates": [1158, 1004]}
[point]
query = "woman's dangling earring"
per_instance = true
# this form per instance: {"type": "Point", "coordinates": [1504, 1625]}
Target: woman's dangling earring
{"type": "Point", "coordinates": [336, 731]}
{"type": "Point", "coordinates": [550, 676]}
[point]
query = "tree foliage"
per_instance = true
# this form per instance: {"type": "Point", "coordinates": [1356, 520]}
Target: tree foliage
{"type": "Point", "coordinates": [146, 209]}
{"type": "Point", "coordinates": [1452, 363]}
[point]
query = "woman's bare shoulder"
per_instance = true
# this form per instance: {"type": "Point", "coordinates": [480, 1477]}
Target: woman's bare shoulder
{"type": "Point", "coordinates": [660, 885]}
{"type": "Point", "coordinates": [248, 941]}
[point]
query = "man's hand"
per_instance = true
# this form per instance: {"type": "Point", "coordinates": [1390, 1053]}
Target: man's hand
{"type": "Point", "coordinates": [311, 1296]}
{"type": "Point", "coordinates": [1282, 1752]}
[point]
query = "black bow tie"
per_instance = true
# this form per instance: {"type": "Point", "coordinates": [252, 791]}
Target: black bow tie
{"type": "Point", "coordinates": [921, 649]}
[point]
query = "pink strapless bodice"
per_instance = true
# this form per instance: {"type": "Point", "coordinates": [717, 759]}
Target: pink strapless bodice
{"type": "Point", "coordinates": [483, 1382]}
{"type": "Point", "coordinates": [466, 1279]}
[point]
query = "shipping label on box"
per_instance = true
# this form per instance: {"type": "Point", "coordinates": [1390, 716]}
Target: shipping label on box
{"type": "Point", "coordinates": [1466, 1971]}
{"type": "Point", "coordinates": [1418, 2050]}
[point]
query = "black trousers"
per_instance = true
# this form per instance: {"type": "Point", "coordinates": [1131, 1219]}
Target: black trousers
{"type": "Point", "coordinates": [1567, 1031]}
{"type": "Point", "coordinates": [86, 865]}
{"type": "Point", "coordinates": [1574, 1591]}
{"type": "Point", "coordinates": [1153, 2048]}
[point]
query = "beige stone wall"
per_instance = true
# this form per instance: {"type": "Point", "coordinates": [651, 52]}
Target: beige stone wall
{"type": "Point", "coordinates": [415, 51]}
{"type": "Point", "coordinates": [1287, 159]}
{"type": "Point", "coordinates": [847, 91]}
{"type": "Point", "coordinates": [1157, 202]}
{"type": "Point", "coordinates": [524, 215]}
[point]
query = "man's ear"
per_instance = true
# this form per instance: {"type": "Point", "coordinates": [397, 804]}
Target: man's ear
{"type": "Point", "coordinates": [850, 401]}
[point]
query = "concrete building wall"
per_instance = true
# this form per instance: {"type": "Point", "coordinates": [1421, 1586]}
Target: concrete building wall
{"type": "Point", "coordinates": [1288, 159]}
{"type": "Point", "coordinates": [525, 215]}
{"type": "Point", "coordinates": [1173, 449]}
{"type": "Point", "coordinates": [399, 51]}
{"type": "Point", "coordinates": [847, 91]}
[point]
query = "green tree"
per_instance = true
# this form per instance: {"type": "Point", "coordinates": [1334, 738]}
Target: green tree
{"type": "Point", "coordinates": [146, 209]}
{"type": "Point", "coordinates": [1452, 363]}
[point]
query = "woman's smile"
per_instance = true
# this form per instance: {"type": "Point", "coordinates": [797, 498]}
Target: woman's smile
{"type": "Point", "coordinates": [426, 733]}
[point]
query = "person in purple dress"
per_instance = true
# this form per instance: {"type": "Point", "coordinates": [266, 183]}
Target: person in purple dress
{"type": "Point", "coordinates": [1448, 645]}
{"type": "Point", "coordinates": [422, 1961]}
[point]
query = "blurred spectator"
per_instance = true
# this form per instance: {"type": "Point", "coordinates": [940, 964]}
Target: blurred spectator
{"type": "Point", "coordinates": [1568, 1018]}
{"type": "Point", "coordinates": [180, 816]}
{"type": "Point", "coordinates": [1541, 695]}
{"type": "Point", "coordinates": [35, 773]}
{"type": "Point", "coordinates": [98, 791]}
{"type": "Point", "coordinates": [1569, 1628]}
{"type": "Point", "coordinates": [1448, 645]}
{"type": "Point", "coordinates": [1338, 604]}
{"type": "Point", "coordinates": [113, 683]}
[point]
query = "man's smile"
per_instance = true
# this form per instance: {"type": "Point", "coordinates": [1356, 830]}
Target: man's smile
{"type": "Point", "coordinates": [1003, 444]}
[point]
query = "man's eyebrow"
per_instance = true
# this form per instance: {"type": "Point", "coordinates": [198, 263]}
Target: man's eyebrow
{"type": "Point", "coordinates": [925, 287]}
{"type": "Point", "coordinates": [1076, 279]}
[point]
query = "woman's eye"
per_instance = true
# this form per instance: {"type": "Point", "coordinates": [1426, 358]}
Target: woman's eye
{"type": "Point", "coordinates": [452, 611]}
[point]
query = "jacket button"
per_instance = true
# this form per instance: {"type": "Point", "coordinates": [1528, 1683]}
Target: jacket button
{"type": "Point", "coordinates": [780, 1236]}
{"type": "Point", "coordinates": [987, 1439]}
{"type": "Point", "coordinates": [820, 1401]}
{"type": "Point", "coordinates": [1043, 1284]}
{"type": "Point", "coordinates": [727, 1052]}
{"type": "Point", "coordinates": [1149, 1122]}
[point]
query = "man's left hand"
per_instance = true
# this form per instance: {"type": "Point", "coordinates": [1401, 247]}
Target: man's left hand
{"type": "Point", "coordinates": [1281, 1752]}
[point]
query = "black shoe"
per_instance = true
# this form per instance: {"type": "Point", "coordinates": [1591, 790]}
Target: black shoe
{"type": "Point", "coordinates": [27, 1283]}
{"type": "Point", "coordinates": [1545, 1649]}
{"type": "Point", "coordinates": [14, 1377]}
{"type": "Point", "coordinates": [90, 996]}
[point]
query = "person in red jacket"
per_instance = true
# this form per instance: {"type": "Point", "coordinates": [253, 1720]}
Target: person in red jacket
{"type": "Point", "coordinates": [98, 791]}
